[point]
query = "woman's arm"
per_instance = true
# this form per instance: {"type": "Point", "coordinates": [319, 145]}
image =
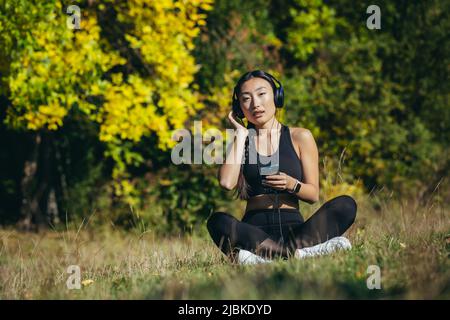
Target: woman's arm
{"type": "Point", "coordinates": [229, 171]}
{"type": "Point", "coordinates": [309, 154]}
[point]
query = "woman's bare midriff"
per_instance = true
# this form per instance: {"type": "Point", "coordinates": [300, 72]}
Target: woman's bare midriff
{"type": "Point", "coordinates": [267, 201]}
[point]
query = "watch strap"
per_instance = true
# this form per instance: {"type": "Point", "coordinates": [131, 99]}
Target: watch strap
{"type": "Point", "coordinates": [296, 187]}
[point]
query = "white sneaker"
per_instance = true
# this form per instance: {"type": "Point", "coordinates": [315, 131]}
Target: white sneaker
{"type": "Point", "coordinates": [327, 247]}
{"type": "Point", "coordinates": [247, 257]}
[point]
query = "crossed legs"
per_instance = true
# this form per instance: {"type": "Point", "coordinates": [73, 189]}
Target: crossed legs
{"type": "Point", "coordinates": [331, 220]}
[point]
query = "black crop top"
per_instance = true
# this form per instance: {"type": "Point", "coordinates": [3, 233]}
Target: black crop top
{"type": "Point", "coordinates": [288, 161]}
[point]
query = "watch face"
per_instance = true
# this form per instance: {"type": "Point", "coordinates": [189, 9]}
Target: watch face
{"type": "Point", "coordinates": [297, 187]}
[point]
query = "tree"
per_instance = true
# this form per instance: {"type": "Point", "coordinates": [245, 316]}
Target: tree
{"type": "Point", "coordinates": [133, 82]}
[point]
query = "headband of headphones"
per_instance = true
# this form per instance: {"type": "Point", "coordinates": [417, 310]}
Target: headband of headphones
{"type": "Point", "coordinates": [278, 92]}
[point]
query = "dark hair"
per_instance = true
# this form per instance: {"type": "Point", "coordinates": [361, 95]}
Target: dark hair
{"type": "Point", "coordinates": [242, 189]}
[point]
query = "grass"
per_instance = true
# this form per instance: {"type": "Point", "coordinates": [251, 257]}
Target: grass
{"type": "Point", "coordinates": [410, 244]}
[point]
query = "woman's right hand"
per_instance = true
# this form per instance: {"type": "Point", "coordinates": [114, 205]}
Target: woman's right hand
{"type": "Point", "coordinates": [238, 126]}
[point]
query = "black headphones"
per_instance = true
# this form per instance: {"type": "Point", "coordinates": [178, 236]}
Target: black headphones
{"type": "Point", "coordinates": [278, 94]}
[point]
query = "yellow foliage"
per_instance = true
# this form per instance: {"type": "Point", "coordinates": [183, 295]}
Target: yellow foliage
{"type": "Point", "coordinates": [164, 38]}
{"type": "Point", "coordinates": [44, 77]}
{"type": "Point", "coordinates": [60, 68]}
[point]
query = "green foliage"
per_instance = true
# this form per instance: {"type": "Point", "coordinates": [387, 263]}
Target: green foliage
{"type": "Point", "coordinates": [53, 69]}
{"type": "Point", "coordinates": [312, 22]}
{"type": "Point", "coordinates": [359, 95]}
{"type": "Point", "coordinates": [239, 36]}
{"type": "Point", "coordinates": [108, 96]}
{"type": "Point", "coordinates": [187, 196]}
{"type": "Point", "coordinates": [121, 70]}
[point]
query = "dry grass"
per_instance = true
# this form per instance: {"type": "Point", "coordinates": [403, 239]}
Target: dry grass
{"type": "Point", "coordinates": [410, 244]}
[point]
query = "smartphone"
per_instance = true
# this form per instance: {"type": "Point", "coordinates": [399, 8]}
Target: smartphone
{"type": "Point", "coordinates": [268, 170]}
{"type": "Point", "coordinates": [271, 169]}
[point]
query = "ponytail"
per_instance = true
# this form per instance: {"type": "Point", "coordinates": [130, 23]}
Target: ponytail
{"type": "Point", "coordinates": [242, 185]}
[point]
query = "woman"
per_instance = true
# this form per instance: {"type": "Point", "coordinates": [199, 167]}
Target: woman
{"type": "Point", "coordinates": [273, 167]}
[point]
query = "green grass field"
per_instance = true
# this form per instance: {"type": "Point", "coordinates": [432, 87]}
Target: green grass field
{"type": "Point", "coordinates": [409, 243]}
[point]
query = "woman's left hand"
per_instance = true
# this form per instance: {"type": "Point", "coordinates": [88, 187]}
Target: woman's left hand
{"type": "Point", "coordinates": [279, 181]}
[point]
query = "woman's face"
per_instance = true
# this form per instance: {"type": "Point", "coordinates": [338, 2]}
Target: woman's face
{"type": "Point", "coordinates": [256, 99]}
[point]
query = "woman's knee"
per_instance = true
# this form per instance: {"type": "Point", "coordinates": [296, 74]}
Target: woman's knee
{"type": "Point", "coordinates": [220, 228]}
{"type": "Point", "coordinates": [350, 207]}
{"type": "Point", "coordinates": [347, 207]}
{"type": "Point", "coordinates": [218, 220]}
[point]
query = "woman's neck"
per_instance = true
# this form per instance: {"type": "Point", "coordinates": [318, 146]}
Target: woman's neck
{"type": "Point", "coordinates": [272, 124]}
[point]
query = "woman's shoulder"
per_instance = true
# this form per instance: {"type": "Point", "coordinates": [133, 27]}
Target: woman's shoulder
{"type": "Point", "coordinates": [300, 135]}
{"type": "Point", "coordinates": [301, 138]}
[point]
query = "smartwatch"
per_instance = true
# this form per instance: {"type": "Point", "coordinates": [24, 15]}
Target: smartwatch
{"type": "Point", "coordinates": [297, 187]}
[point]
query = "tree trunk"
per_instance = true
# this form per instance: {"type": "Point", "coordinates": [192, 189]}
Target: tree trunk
{"type": "Point", "coordinates": [30, 204]}
{"type": "Point", "coordinates": [39, 185]}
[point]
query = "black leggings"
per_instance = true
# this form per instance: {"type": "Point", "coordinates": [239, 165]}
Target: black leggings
{"type": "Point", "coordinates": [260, 231]}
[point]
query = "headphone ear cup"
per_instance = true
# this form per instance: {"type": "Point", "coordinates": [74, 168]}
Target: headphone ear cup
{"type": "Point", "coordinates": [280, 97]}
{"type": "Point", "coordinates": [277, 98]}
{"type": "Point", "coordinates": [279, 93]}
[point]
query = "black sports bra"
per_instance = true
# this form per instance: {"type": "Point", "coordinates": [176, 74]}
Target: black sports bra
{"type": "Point", "coordinates": [288, 161]}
